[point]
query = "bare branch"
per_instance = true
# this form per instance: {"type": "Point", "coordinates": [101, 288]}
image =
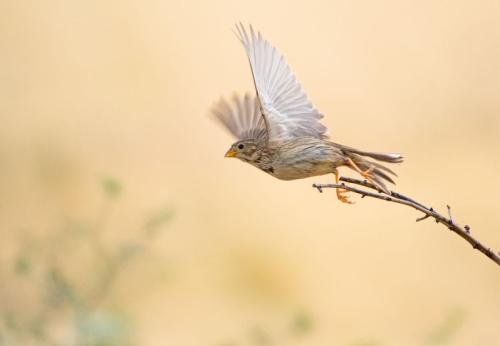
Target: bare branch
{"type": "Point", "coordinates": [395, 197]}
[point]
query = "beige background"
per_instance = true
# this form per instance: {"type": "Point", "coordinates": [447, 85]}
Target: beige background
{"type": "Point", "coordinates": [122, 88]}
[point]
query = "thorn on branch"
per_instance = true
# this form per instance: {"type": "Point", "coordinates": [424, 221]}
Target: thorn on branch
{"type": "Point", "coordinates": [467, 229]}
{"type": "Point", "coordinates": [423, 217]}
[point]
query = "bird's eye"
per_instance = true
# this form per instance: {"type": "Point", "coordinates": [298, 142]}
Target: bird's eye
{"type": "Point", "coordinates": [241, 146]}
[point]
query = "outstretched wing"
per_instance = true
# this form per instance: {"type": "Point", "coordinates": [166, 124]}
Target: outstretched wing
{"type": "Point", "coordinates": [283, 102]}
{"type": "Point", "coordinates": [241, 116]}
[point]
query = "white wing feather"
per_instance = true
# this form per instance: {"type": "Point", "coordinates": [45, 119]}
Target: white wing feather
{"type": "Point", "coordinates": [284, 104]}
{"type": "Point", "coordinates": [241, 116]}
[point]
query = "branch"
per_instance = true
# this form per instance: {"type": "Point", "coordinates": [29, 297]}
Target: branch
{"type": "Point", "coordinates": [464, 232]}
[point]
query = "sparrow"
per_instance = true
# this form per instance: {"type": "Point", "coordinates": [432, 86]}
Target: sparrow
{"type": "Point", "coordinates": [278, 130]}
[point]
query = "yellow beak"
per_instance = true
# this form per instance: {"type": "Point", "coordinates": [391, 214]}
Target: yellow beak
{"type": "Point", "coordinates": [230, 153]}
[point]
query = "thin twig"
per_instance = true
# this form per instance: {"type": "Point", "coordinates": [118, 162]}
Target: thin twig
{"type": "Point", "coordinates": [395, 197]}
{"type": "Point", "coordinates": [449, 212]}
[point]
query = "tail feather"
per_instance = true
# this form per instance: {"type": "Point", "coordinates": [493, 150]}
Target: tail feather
{"type": "Point", "coordinates": [378, 171]}
{"type": "Point", "coordinates": [382, 167]}
{"type": "Point", "coordinates": [384, 157]}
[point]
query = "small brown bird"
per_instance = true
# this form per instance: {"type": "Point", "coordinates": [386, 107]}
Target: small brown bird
{"type": "Point", "coordinates": [279, 131]}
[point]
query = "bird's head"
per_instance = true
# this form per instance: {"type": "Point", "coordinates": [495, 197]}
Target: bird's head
{"type": "Point", "coordinates": [245, 150]}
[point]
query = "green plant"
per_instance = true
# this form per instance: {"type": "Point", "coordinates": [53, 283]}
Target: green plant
{"type": "Point", "coordinates": [68, 309]}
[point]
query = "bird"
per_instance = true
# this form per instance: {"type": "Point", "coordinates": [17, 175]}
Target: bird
{"type": "Point", "coordinates": [278, 130]}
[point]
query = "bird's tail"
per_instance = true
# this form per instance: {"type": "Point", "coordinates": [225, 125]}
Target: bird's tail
{"type": "Point", "coordinates": [376, 172]}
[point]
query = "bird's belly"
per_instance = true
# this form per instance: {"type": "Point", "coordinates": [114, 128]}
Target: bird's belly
{"type": "Point", "coordinates": [300, 170]}
{"type": "Point", "coordinates": [301, 159]}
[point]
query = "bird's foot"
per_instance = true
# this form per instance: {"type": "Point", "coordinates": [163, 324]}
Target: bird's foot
{"type": "Point", "coordinates": [341, 197]}
{"type": "Point", "coordinates": [368, 174]}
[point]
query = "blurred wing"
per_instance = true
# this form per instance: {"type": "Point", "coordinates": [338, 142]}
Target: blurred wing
{"type": "Point", "coordinates": [241, 116]}
{"type": "Point", "coordinates": [283, 102]}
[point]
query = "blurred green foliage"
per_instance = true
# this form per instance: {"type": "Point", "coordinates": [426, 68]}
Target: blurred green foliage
{"type": "Point", "coordinates": [301, 324]}
{"type": "Point", "coordinates": [22, 265]}
{"type": "Point", "coordinates": [73, 310]}
{"type": "Point", "coordinates": [111, 187]}
{"type": "Point", "coordinates": [260, 337]}
{"type": "Point", "coordinates": [444, 333]}
{"type": "Point", "coordinates": [366, 342]}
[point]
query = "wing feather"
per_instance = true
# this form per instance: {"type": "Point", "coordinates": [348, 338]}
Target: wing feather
{"type": "Point", "coordinates": [282, 100]}
{"type": "Point", "coordinates": [241, 116]}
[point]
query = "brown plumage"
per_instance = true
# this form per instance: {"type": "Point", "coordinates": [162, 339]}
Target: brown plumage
{"type": "Point", "coordinates": [278, 130]}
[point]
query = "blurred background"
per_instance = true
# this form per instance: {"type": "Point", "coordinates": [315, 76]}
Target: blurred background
{"type": "Point", "coordinates": [122, 224]}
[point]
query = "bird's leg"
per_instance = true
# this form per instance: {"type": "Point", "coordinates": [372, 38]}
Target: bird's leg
{"type": "Point", "coordinates": [340, 192]}
{"type": "Point", "coordinates": [365, 174]}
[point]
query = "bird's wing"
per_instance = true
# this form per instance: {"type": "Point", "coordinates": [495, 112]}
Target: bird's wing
{"type": "Point", "coordinates": [284, 104]}
{"type": "Point", "coordinates": [241, 116]}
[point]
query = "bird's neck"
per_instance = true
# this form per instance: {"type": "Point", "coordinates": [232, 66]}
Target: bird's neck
{"type": "Point", "coordinates": [263, 160]}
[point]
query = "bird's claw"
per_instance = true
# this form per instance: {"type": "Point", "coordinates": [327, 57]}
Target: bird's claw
{"type": "Point", "coordinates": [342, 198]}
